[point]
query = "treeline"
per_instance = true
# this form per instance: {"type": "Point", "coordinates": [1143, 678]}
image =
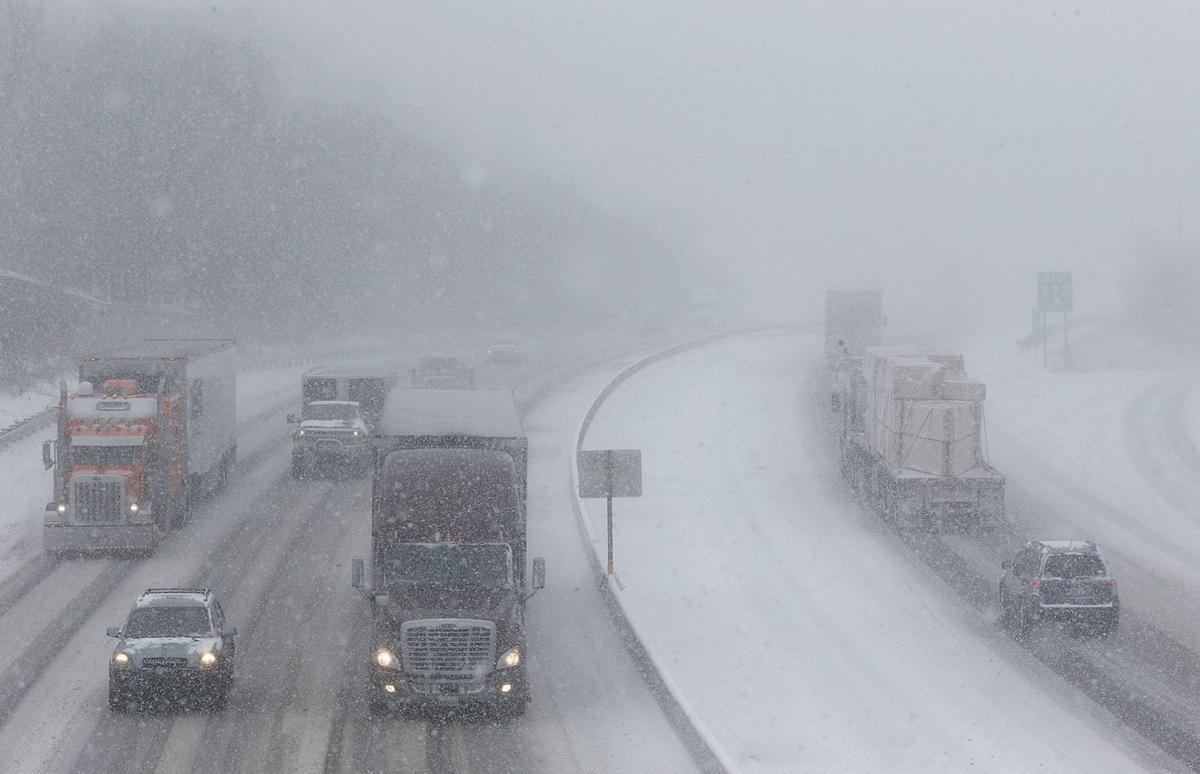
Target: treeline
{"type": "Point", "coordinates": [155, 161]}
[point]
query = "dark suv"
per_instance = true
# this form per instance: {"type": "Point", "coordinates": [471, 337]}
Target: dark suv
{"type": "Point", "coordinates": [1059, 580]}
{"type": "Point", "coordinates": [174, 640]}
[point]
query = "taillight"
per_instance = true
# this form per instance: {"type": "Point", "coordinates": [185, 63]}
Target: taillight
{"type": "Point", "coordinates": [1112, 582]}
{"type": "Point", "coordinates": [1036, 583]}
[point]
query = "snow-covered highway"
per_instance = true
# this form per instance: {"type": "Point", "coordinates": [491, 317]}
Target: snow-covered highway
{"type": "Point", "coordinates": [278, 552]}
{"type": "Point", "coordinates": [802, 633]}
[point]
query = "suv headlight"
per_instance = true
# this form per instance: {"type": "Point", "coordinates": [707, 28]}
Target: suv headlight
{"type": "Point", "coordinates": [121, 658]}
{"type": "Point", "coordinates": [208, 659]}
{"type": "Point", "coordinates": [385, 658]}
{"type": "Point", "coordinates": [510, 658]}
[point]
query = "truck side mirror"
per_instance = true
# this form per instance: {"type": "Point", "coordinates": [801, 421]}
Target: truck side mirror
{"type": "Point", "coordinates": [292, 419]}
{"type": "Point", "coordinates": [381, 600]}
{"type": "Point", "coordinates": [356, 573]}
{"type": "Point", "coordinates": [113, 631]}
{"type": "Point", "coordinates": [229, 632]}
{"type": "Point", "coordinates": [48, 453]}
{"type": "Point", "coordinates": [539, 573]}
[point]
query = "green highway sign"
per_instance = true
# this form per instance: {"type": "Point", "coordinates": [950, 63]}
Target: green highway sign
{"type": "Point", "coordinates": [1054, 291]}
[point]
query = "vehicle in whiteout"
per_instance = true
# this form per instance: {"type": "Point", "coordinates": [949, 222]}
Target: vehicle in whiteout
{"type": "Point", "coordinates": [332, 437]}
{"type": "Point", "coordinates": [912, 441]}
{"type": "Point", "coordinates": [506, 349]}
{"type": "Point", "coordinates": [147, 433]}
{"type": "Point", "coordinates": [339, 405]}
{"type": "Point", "coordinates": [1059, 580]}
{"type": "Point", "coordinates": [448, 584]}
{"type": "Point", "coordinates": [174, 646]}
{"type": "Point", "coordinates": [442, 372]}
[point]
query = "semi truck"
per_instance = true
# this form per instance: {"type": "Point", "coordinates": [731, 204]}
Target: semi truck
{"type": "Point", "coordinates": [338, 407]}
{"type": "Point", "coordinates": [912, 440]}
{"type": "Point", "coordinates": [145, 435]}
{"type": "Point", "coordinates": [447, 580]}
{"type": "Point", "coordinates": [853, 321]}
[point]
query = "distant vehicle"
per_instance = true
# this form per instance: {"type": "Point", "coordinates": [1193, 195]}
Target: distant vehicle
{"type": "Point", "coordinates": [448, 583]}
{"type": "Point", "coordinates": [174, 642]}
{"type": "Point", "coordinates": [442, 372]}
{"type": "Point", "coordinates": [1059, 580]}
{"type": "Point", "coordinates": [332, 437]}
{"type": "Point", "coordinates": [506, 349]}
{"type": "Point", "coordinates": [367, 385]}
{"type": "Point", "coordinates": [148, 432]}
{"type": "Point", "coordinates": [853, 321]}
{"type": "Point", "coordinates": [912, 441]}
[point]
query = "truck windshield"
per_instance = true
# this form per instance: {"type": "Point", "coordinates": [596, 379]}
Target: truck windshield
{"type": "Point", "coordinates": [168, 622]}
{"type": "Point", "coordinates": [102, 456]}
{"type": "Point", "coordinates": [453, 565]}
{"type": "Point", "coordinates": [327, 411]}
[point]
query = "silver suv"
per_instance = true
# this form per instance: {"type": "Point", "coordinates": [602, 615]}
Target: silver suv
{"type": "Point", "coordinates": [174, 640]}
{"type": "Point", "coordinates": [1059, 580]}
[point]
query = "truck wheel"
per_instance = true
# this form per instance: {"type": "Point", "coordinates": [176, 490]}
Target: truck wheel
{"type": "Point", "coordinates": [116, 699]}
{"type": "Point", "coordinates": [220, 698]}
{"type": "Point", "coordinates": [379, 708]}
{"type": "Point", "coordinates": [297, 468]}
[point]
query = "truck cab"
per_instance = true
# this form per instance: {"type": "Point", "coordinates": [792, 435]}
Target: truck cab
{"type": "Point", "coordinates": [447, 582]}
{"type": "Point", "coordinates": [146, 434]}
{"type": "Point", "coordinates": [331, 435]}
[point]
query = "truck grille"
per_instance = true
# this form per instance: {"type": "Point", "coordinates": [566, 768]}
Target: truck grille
{"type": "Point", "coordinates": [328, 436]}
{"type": "Point", "coordinates": [448, 648]}
{"type": "Point", "coordinates": [98, 500]}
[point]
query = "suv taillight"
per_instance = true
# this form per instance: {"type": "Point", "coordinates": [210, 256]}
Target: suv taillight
{"type": "Point", "coordinates": [1036, 583]}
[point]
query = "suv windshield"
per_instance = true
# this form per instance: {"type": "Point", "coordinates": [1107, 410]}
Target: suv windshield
{"type": "Point", "coordinates": [1074, 566]}
{"type": "Point", "coordinates": [326, 411]}
{"type": "Point", "coordinates": [191, 621]}
{"type": "Point", "coordinates": [455, 565]}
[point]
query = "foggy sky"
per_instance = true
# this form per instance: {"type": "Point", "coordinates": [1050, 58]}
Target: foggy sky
{"type": "Point", "coordinates": [938, 150]}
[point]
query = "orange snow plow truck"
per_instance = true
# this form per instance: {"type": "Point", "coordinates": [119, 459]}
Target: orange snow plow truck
{"type": "Point", "coordinates": [143, 438]}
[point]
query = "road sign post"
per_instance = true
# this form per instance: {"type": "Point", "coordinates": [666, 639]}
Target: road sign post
{"type": "Point", "coordinates": [610, 473]}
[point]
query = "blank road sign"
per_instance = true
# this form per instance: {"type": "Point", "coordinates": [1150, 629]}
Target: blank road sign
{"type": "Point", "coordinates": [610, 473]}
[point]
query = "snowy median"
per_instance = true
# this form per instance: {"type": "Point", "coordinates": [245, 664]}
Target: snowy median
{"type": "Point", "coordinates": [794, 635]}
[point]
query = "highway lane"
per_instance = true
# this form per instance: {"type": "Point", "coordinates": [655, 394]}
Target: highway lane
{"type": "Point", "coordinates": [1148, 674]}
{"type": "Point", "coordinates": [278, 552]}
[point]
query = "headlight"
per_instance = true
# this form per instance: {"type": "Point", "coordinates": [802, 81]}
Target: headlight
{"type": "Point", "coordinates": [208, 659]}
{"type": "Point", "coordinates": [121, 658]}
{"type": "Point", "coordinates": [356, 434]}
{"type": "Point", "coordinates": [385, 658]}
{"type": "Point", "coordinates": [510, 659]}
{"type": "Point", "coordinates": [300, 433]}
{"type": "Point", "coordinates": [133, 507]}
{"type": "Point", "coordinates": [62, 507]}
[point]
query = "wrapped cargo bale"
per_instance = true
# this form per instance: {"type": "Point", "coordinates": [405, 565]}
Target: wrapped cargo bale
{"type": "Point", "coordinates": [922, 412]}
{"type": "Point", "coordinates": [958, 386]}
{"type": "Point", "coordinates": [938, 438]}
